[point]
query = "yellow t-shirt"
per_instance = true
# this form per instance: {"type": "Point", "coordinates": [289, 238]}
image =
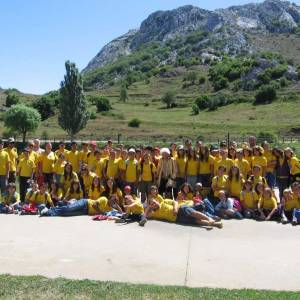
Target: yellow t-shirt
{"type": "Point", "coordinates": [205, 166]}
{"type": "Point", "coordinates": [66, 182]}
{"type": "Point", "coordinates": [13, 156]}
{"type": "Point", "coordinates": [294, 165]}
{"type": "Point", "coordinates": [99, 167]}
{"type": "Point", "coordinates": [87, 180]}
{"type": "Point", "coordinates": [219, 183]}
{"type": "Point", "coordinates": [83, 156]}
{"type": "Point", "coordinates": [59, 167]}
{"type": "Point", "coordinates": [192, 167]}
{"type": "Point", "coordinates": [122, 164]}
{"type": "Point", "coordinates": [73, 159]}
{"type": "Point", "coordinates": [111, 167]}
{"type": "Point", "coordinates": [181, 164]}
{"type": "Point", "coordinates": [227, 163]}
{"type": "Point", "coordinates": [91, 158]}
{"type": "Point", "coordinates": [267, 203]}
{"type": "Point", "coordinates": [74, 195]}
{"type": "Point", "coordinates": [131, 170]}
{"type": "Point", "coordinates": [136, 209]}
{"type": "Point", "coordinates": [291, 204]}
{"type": "Point", "coordinates": [95, 194]}
{"type": "Point", "coordinates": [26, 167]}
{"type": "Point", "coordinates": [9, 199]}
{"type": "Point", "coordinates": [58, 152]}
{"type": "Point", "coordinates": [188, 196]}
{"type": "Point", "coordinates": [257, 179]}
{"type": "Point", "coordinates": [270, 158]}
{"type": "Point", "coordinates": [248, 200]}
{"type": "Point", "coordinates": [165, 212]}
{"type": "Point", "coordinates": [102, 204]}
{"type": "Point", "coordinates": [149, 169]}
{"type": "Point", "coordinates": [260, 161]}
{"type": "Point", "coordinates": [4, 159]}
{"type": "Point", "coordinates": [47, 161]}
{"type": "Point", "coordinates": [38, 198]}
{"type": "Point", "coordinates": [243, 166]}
{"type": "Point", "coordinates": [235, 187]}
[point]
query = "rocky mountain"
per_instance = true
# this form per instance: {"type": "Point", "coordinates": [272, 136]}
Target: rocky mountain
{"type": "Point", "coordinates": [225, 30]}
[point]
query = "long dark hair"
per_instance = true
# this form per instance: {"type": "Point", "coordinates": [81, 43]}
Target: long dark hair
{"type": "Point", "coordinates": [237, 176]}
{"type": "Point", "coordinates": [93, 184]}
{"type": "Point", "coordinates": [184, 185]}
{"type": "Point", "coordinates": [204, 157]}
{"type": "Point", "coordinates": [107, 188]}
{"type": "Point", "coordinates": [190, 156]}
{"type": "Point", "coordinates": [66, 175]}
{"type": "Point", "coordinates": [72, 191]}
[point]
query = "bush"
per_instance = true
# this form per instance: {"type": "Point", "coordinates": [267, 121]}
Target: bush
{"type": "Point", "coordinates": [203, 102]}
{"type": "Point", "coordinates": [102, 104]}
{"type": "Point", "coordinates": [134, 123]}
{"type": "Point", "coordinates": [266, 94]}
{"type": "Point", "coordinates": [12, 99]}
{"type": "Point", "coordinates": [220, 83]}
{"type": "Point", "coordinates": [283, 82]}
{"type": "Point", "coordinates": [93, 115]}
{"type": "Point", "coordinates": [267, 136]}
{"type": "Point", "coordinates": [202, 80]}
{"type": "Point", "coordinates": [45, 106]}
{"type": "Point", "coordinates": [169, 98]}
{"type": "Point", "coordinates": [195, 109]}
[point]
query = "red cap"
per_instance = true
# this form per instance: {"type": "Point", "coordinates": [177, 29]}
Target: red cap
{"type": "Point", "coordinates": [93, 143]}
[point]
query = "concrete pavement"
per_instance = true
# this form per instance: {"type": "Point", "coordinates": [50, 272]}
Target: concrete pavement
{"type": "Point", "coordinates": [244, 254]}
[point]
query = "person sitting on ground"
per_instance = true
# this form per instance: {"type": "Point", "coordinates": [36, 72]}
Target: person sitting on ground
{"type": "Point", "coordinates": [288, 204]}
{"type": "Point", "coordinates": [114, 195]}
{"type": "Point", "coordinates": [235, 182]}
{"type": "Point", "coordinates": [248, 201]}
{"type": "Point", "coordinates": [133, 207]}
{"type": "Point", "coordinates": [41, 198]}
{"type": "Point", "coordinates": [225, 208]}
{"type": "Point", "coordinates": [256, 176]}
{"type": "Point", "coordinates": [10, 202]}
{"type": "Point", "coordinates": [219, 183]}
{"type": "Point", "coordinates": [74, 192]}
{"type": "Point", "coordinates": [267, 206]}
{"type": "Point", "coordinates": [67, 177]}
{"type": "Point", "coordinates": [168, 210]}
{"type": "Point", "coordinates": [96, 189]}
{"type": "Point", "coordinates": [185, 196]}
{"type": "Point", "coordinates": [56, 193]}
{"type": "Point", "coordinates": [86, 178]}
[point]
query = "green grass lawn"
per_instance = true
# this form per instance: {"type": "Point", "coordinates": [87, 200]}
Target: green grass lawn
{"type": "Point", "coordinates": [37, 287]}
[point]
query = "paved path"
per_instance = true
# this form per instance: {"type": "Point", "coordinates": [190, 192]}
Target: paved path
{"type": "Point", "coordinates": [245, 254]}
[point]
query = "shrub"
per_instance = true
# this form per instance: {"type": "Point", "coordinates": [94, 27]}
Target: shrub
{"type": "Point", "coordinates": [203, 102]}
{"type": "Point", "coordinates": [45, 106]}
{"type": "Point", "coordinates": [102, 104]}
{"type": "Point", "coordinates": [134, 123]}
{"type": "Point", "coordinates": [12, 99]}
{"type": "Point", "coordinates": [195, 109]}
{"type": "Point", "coordinates": [202, 80]}
{"type": "Point", "coordinates": [93, 115]}
{"type": "Point", "coordinates": [266, 94]}
{"type": "Point", "coordinates": [283, 82]}
{"type": "Point", "coordinates": [267, 136]}
{"type": "Point", "coordinates": [169, 98]}
{"type": "Point", "coordinates": [220, 83]}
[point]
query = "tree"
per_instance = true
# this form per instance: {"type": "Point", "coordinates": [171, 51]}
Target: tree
{"type": "Point", "coordinates": [12, 99]}
{"type": "Point", "coordinates": [102, 104]}
{"type": "Point", "coordinates": [123, 94]}
{"type": "Point", "coordinates": [73, 115]}
{"type": "Point", "coordinates": [22, 119]}
{"type": "Point", "coordinates": [169, 98]}
{"type": "Point", "coordinates": [265, 95]}
{"type": "Point", "coordinates": [45, 106]}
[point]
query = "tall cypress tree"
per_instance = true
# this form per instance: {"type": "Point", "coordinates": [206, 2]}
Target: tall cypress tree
{"type": "Point", "coordinates": [73, 115]}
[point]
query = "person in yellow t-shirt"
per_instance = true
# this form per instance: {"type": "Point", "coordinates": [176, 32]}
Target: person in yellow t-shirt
{"type": "Point", "coordinates": [168, 210]}
{"type": "Point", "coordinates": [267, 206]}
{"type": "Point", "coordinates": [86, 177]}
{"type": "Point", "coordinates": [96, 189]}
{"type": "Point", "coordinates": [114, 195]}
{"type": "Point", "coordinates": [258, 159]}
{"type": "Point", "coordinates": [206, 167]}
{"type": "Point", "coordinates": [248, 201]}
{"type": "Point", "coordinates": [243, 164]}
{"type": "Point", "coordinates": [67, 177]}
{"type": "Point", "coordinates": [91, 157]}
{"type": "Point", "coordinates": [46, 164]}
{"type": "Point", "coordinates": [271, 163]}
{"type": "Point", "coordinates": [185, 195]}
{"type": "Point", "coordinates": [219, 183]}
{"type": "Point", "coordinates": [73, 157]}
{"type": "Point", "coordinates": [256, 177]}
{"type": "Point", "coordinates": [288, 203]}
{"type": "Point", "coordinates": [111, 166]}
{"type": "Point", "coordinates": [56, 193]}
{"type": "Point", "coordinates": [99, 164]}
{"type": "Point", "coordinates": [4, 168]}
{"type": "Point", "coordinates": [59, 167]}
{"type": "Point", "coordinates": [133, 207]}
{"type": "Point", "coordinates": [13, 159]}
{"type": "Point", "coordinates": [235, 182]}
{"type": "Point", "coordinates": [147, 176]}
{"type": "Point", "coordinates": [248, 155]}
{"type": "Point", "coordinates": [79, 208]}
{"type": "Point", "coordinates": [293, 163]}
{"type": "Point", "coordinates": [41, 198]}
{"type": "Point", "coordinates": [223, 161]}
{"type": "Point", "coordinates": [74, 192]}
{"type": "Point", "coordinates": [192, 167]}
{"type": "Point", "coordinates": [61, 150]}
{"type": "Point", "coordinates": [83, 154]}
{"type": "Point", "coordinates": [25, 170]}
{"type": "Point", "coordinates": [181, 167]}
{"type": "Point", "coordinates": [131, 171]}
{"type": "Point", "coordinates": [10, 200]}
{"type": "Point", "coordinates": [122, 165]}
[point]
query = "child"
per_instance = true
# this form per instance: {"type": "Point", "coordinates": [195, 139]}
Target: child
{"type": "Point", "coordinates": [225, 207]}
{"type": "Point", "coordinates": [235, 182]}
{"type": "Point", "coordinates": [132, 205]}
{"type": "Point", "coordinates": [74, 192]}
{"type": "Point", "coordinates": [248, 201]}
{"type": "Point", "coordinates": [67, 177]}
{"type": "Point", "coordinates": [10, 202]}
{"type": "Point", "coordinates": [267, 206]}
{"type": "Point", "coordinates": [288, 204]}
{"type": "Point", "coordinates": [219, 183]}
{"type": "Point", "coordinates": [41, 198]}
{"type": "Point", "coordinates": [59, 166]}
{"type": "Point", "coordinates": [96, 189]}
{"type": "Point", "coordinates": [55, 193]}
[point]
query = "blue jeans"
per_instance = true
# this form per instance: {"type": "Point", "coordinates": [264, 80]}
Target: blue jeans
{"type": "Point", "coordinates": [3, 182]}
{"type": "Point", "coordinates": [192, 180]}
{"type": "Point", "coordinates": [270, 177]}
{"type": "Point", "coordinates": [4, 208]}
{"type": "Point", "coordinates": [77, 208]}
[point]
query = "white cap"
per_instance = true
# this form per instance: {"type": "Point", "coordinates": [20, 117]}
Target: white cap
{"type": "Point", "coordinates": [165, 150]}
{"type": "Point", "coordinates": [131, 150]}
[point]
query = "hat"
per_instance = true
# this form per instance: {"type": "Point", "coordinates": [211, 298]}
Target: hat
{"type": "Point", "coordinates": [127, 188]}
{"type": "Point", "coordinates": [181, 147]}
{"type": "Point", "coordinates": [11, 140]}
{"type": "Point", "coordinates": [165, 150]}
{"type": "Point", "coordinates": [93, 143]}
{"type": "Point", "coordinates": [26, 149]}
{"type": "Point", "coordinates": [213, 148]}
{"type": "Point", "coordinates": [131, 150]}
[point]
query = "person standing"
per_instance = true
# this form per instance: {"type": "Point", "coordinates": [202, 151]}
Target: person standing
{"type": "Point", "coordinates": [13, 157]}
{"type": "Point", "coordinates": [46, 164]}
{"type": "Point", "coordinates": [4, 168]}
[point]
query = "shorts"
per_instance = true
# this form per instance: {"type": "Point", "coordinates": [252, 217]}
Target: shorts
{"type": "Point", "coordinates": [184, 215]}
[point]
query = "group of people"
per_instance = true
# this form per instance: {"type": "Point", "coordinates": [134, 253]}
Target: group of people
{"type": "Point", "coordinates": [188, 184]}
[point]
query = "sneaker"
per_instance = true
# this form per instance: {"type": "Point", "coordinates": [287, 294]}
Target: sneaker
{"type": "Point", "coordinates": [44, 211]}
{"type": "Point", "coordinates": [284, 220]}
{"type": "Point", "coordinates": [143, 221]}
{"type": "Point", "coordinates": [294, 221]}
{"type": "Point", "coordinates": [218, 224]}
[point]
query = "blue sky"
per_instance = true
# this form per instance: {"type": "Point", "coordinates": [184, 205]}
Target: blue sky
{"type": "Point", "coordinates": [38, 36]}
